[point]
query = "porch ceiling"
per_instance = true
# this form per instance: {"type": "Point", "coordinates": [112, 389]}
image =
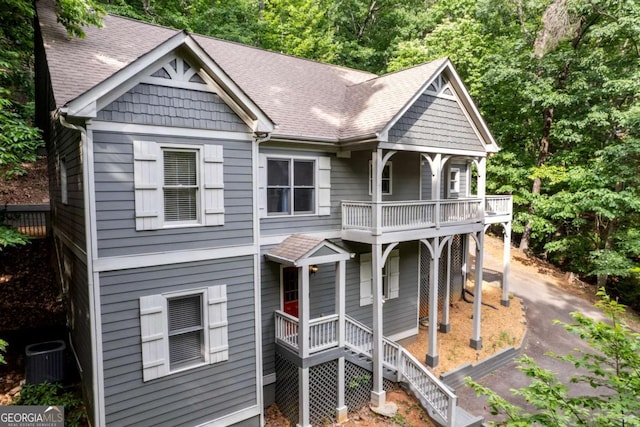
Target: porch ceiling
{"type": "Point", "coordinates": [301, 249]}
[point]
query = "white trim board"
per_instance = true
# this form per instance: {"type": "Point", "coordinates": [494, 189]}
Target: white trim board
{"type": "Point", "coordinates": [279, 238]}
{"type": "Point", "coordinates": [236, 417]}
{"type": "Point", "coordinates": [171, 257]}
{"type": "Point", "coordinates": [98, 125]}
{"type": "Point", "coordinates": [404, 334]}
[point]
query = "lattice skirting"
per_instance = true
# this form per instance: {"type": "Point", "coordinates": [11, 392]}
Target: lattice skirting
{"type": "Point", "coordinates": [323, 390]}
{"type": "Point", "coordinates": [457, 257]}
{"type": "Point", "coordinates": [287, 388]}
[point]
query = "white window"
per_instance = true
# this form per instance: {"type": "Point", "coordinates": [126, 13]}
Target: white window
{"type": "Point", "coordinates": [294, 186]}
{"type": "Point", "coordinates": [181, 187]}
{"type": "Point", "coordinates": [183, 330]}
{"type": "Point", "coordinates": [454, 180]}
{"type": "Point", "coordinates": [64, 190]}
{"type": "Point", "coordinates": [390, 277]}
{"type": "Point", "coordinates": [290, 186]}
{"type": "Point", "coordinates": [178, 185]}
{"type": "Point", "coordinates": [386, 178]}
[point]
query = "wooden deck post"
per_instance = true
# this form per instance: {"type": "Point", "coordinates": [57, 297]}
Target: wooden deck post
{"type": "Point", "coordinates": [432, 352]}
{"type": "Point", "coordinates": [476, 339]}
{"type": "Point", "coordinates": [506, 262]}
{"type": "Point", "coordinates": [303, 400]}
{"type": "Point", "coordinates": [445, 327]}
{"type": "Point", "coordinates": [378, 395]}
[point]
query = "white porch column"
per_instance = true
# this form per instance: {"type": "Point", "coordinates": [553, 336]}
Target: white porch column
{"type": "Point", "coordinates": [340, 300]}
{"type": "Point", "coordinates": [378, 395]}
{"type": "Point", "coordinates": [482, 184]}
{"type": "Point", "coordinates": [432, 352]}
{"type": "Point", "coordinates": [436, 171]}
{"type": "Point", "coordinates": [303, 400]}
{"type": "Point", "coordinates": [303, 311]}
{"type": "Point", "coordinates": [341, 410]}
{"type": "Point", "coordinates": [476, 339]}
{"type": "Point", "coordinates": [376, 190]}
{"type": "Point", "coordinates": [506, 262]}
{"type": "Point", "coordinates": [445, 327]}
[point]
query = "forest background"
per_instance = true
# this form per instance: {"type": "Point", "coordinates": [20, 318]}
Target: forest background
{"type": "Point", "coordinates": [557, 81]}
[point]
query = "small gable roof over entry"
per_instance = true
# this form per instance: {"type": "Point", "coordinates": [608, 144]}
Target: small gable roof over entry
{"type": "Point", "coordinates": [303, 99]}
{"type": "Point", "coordinates": [302, 249]}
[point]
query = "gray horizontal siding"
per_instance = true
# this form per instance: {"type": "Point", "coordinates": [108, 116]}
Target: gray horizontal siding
{"type": "Point", "coordinates": [68, 218]}
{"type": "Point", "coordinates": [169, 106]}
{"type": "Point", "coordinates": [349, 181]}
{"type": "Point", "coordinates": [193, 396]}
{"type": "Point", "coordinates": [270, 302]}
{"type": "Point", "coordinates": [78, 311]}
{"type": "Point", "coordinates": [304, 223]}
{"type": "Point", "coordinates": [435, 122]}
{"type": "Point", "coordinates": [115, 199]}
{"type": "Point", "coordinates": [399, 314]}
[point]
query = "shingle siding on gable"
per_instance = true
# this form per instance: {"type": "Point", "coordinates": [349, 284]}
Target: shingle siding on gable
{"type": "Point", "coordinates": [435, 122]}
{"type": "Point", "coordinates": [195, 395]}
{"type": "Point", "coordinates": [115, 199]}
{"type": "Point", "coordinates": [168, 106]}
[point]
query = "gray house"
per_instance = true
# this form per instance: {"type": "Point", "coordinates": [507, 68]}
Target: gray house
{"type": "Point", "coordinates": [236, 227]}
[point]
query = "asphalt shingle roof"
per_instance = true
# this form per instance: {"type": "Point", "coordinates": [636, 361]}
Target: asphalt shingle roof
{"type": "Point", "coordinates": [295, 247]}
{"type": "Point", "coordinates": [305, 99]}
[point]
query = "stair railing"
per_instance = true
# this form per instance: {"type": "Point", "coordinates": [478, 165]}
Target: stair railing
{"type": "Point", "coordinates": [435, 393]}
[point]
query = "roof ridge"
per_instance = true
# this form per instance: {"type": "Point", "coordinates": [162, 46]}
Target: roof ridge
{"type": "Point", "coordinates": [299, 58]}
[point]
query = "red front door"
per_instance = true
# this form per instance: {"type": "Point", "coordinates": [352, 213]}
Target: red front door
{"type": "Point", "coordinates": [290, 290]}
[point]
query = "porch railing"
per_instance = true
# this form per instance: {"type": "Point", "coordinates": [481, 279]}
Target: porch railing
{"type": "Point", "coordinates": [437, 395]}
{"type": "Point", "coordinates": [323, 332]}
{"type": "Point", "coordinates": [499, 205]}
{"type": "Point", "coordinates": [33, 220]}
{"type": "Point", "coordinates": [359, 338]}
{"type": "Point", "coordinates": [409, 215]}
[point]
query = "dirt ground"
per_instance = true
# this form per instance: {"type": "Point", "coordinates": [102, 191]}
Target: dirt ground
{"type": "Point", "coordinates": [30, 188]}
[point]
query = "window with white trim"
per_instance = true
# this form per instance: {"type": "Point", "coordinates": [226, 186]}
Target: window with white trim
{"type": "Point", "coordinates": [386, 178]}
{"type": "Point", "coordinates": [454, 180]}
{"type": "Point", "coordinates": [181, 187]}
{"type": "Point", "coordinates": [390, 277]}
{"type": "Point", "coordinates": [64, 189]}
{"type": "Point", "coordinates": [183, 330]}
{"type": "Point", "coordinates": [292, 185]}
{"type": "Point", "coordinates": [178, 185]}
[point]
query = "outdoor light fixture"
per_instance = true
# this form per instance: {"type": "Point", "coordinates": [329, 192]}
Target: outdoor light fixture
{"type": "Point", "coordinates": [313, 269]}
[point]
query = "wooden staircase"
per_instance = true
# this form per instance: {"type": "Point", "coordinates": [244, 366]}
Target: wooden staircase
{"type": "Point", "coordinates": [402, 367]}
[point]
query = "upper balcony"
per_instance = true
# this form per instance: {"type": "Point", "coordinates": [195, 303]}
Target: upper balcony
{"type": "Point", "coordinates": [359, 217]}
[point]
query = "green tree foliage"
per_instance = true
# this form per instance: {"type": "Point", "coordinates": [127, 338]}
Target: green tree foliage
{"type": "Point", "coordinates": [3, 348]}
{"type": "Point", "coordinates": [611, 368]}
{"type": "Point", "coordinates": [18, 138]}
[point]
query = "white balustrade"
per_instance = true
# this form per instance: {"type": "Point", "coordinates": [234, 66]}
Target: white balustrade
{"type": "Point", "coordinates": [499, 205]}
{"type": "Point", "coordinates": [456, 211]}
{"type": "Point", "coordinates": [323, 333]}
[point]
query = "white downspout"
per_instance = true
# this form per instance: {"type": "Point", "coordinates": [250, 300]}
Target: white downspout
{"type": "Point", "coordinates": [256, 271]}
{"type": "Point", "coordinates": [94, 292]}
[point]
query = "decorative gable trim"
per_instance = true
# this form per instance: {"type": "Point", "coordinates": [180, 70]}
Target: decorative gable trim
{"type": "Point", "coordinates": [158, 67]}
{"type": "Point", "coordinates": [456, 87]}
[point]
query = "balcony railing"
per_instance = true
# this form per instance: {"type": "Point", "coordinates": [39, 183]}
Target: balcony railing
{"type": "Point", "coordinates": [359, 338]}
{"type": "Point", "coordinates": [499, 205]}
{"type": "Point", "coordinates": [323, 332]}
{"type": "Point", "coordinates": [412, 215]}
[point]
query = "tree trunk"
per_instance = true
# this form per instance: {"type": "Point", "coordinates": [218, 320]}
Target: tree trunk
{"type": "Point", "coordinates": [543, 153]}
